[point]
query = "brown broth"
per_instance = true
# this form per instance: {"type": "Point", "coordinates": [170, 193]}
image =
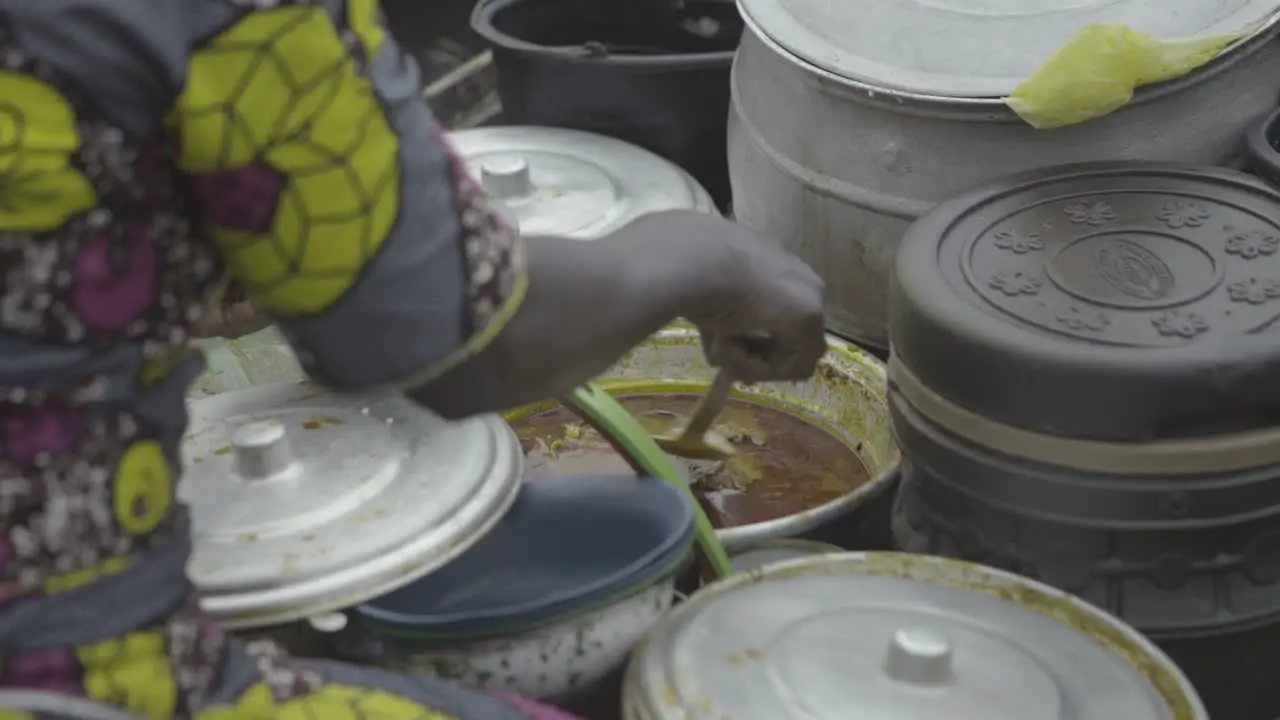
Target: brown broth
{"type": "Point", "coordinates": [784, 464]}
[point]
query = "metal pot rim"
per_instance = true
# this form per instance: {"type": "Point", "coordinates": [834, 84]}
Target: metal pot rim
{"type": "Point", "coordinates": [747, 537]}
{"type": "Point", "coordinates": [1121, 640]}
{"type": "Point", "coordinates": [995, 106]}
{"type": "Point", "coordinates": [482, 24]}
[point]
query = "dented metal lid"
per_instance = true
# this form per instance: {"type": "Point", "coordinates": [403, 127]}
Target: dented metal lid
{"type": "Point", "coordinates": [576, 184]}
{"type": "Point", "coordinates": [304, 502]}
{"type": "Point", "coordinates": [883, 636]}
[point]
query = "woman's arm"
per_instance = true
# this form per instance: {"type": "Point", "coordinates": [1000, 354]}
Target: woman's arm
{"type": "Point", "coordinates": [587, 304]}
{"type": "Point", "coordinates": [350, 221]}
{"type": "Point", "coordinates": [335, 200]}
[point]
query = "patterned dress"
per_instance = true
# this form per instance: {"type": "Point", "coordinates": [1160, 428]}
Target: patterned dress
{"type": "Point", "coordinates": [151, 150]}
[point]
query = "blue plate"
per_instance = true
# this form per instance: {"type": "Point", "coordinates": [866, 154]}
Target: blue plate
{"type": "Point", "coordinates": [566, 543]}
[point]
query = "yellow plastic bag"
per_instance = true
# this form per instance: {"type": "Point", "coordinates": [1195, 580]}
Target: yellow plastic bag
{"type": "Point", "coordinates": [1096, 71]}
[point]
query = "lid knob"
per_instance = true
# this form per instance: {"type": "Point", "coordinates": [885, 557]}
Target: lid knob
{"type": "Point", "coordinates": [919, 656]}
{"type": "Point", "coordinates": [506, 178]}
{"type": "Point", "coordinates": [261, 450]}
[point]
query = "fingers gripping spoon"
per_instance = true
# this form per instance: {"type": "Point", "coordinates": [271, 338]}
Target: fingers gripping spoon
{"type": "Point", "coordinates": [697, 441]}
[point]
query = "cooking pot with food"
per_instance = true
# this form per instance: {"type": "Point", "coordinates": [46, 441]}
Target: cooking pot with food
{"type": "Point", "coordinates": [882, 635]}
{"type": "Point", "coordinates": [808, 453]}
{"type": "Point", "coordinates": [848, 121]}
{"type": "Point", "coordinates": [1084, 383]}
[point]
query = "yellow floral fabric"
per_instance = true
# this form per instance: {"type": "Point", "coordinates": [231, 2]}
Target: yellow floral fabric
{"type": "Point", "coordinates": [39, 189]}
{"type": "Point", "coordinates": [143, 487]}
{"type": "Point", "coordinates": [132, 673]}
{"type": "Point", "coordinates": [330, 702]}
{"type": "Point", "coordinates": [280, 88]}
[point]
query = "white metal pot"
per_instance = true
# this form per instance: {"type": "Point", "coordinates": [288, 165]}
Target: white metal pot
{"type": "Point", "coordinates": [901, 637]}
{"type": "Point", "coordinates": [547, 663]}
{"type": "Point", "coordinates": [836, 156]}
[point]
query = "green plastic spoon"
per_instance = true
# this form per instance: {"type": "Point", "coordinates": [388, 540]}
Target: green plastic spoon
{"type": "Point", "coordinates": [598, 409]}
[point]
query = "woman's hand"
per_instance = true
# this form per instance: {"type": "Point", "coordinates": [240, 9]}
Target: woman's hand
{"type": "Point", "coordinates": [588, 303]}
{"type": "Point", "coordinates": [752, 289]}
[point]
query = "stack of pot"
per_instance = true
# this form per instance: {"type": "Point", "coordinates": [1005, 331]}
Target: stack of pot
{"type": "Point", "coordinates": [1085, 383]}
{"type": "Point", "coordinates": [371, 527]}
{"type": "Point", "coordinates": [850, 120]}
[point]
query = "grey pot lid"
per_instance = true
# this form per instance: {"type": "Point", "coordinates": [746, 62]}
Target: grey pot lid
{"type": "Point", "coordinates": [898, 637]}
{"type": "Point", "coordinates": [304, 502]}
{"type": "Point", "coordinates": [574, 184]}
{"type": "Point", "coordinates": [1117, 301]}
{"type": "Point", "coordinates": [970, 48]}
{"type": "Point", "coordinates": [777, 551]}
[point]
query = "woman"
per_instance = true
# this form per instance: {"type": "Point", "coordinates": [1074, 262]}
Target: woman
{"type": "Point", "coordinates": [149, 151]}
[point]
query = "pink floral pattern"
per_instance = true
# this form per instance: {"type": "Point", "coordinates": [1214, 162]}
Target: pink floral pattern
{"type": "Point", "coordinates": [31, 433]}
{"type": "Point", "coordinates": [243, 199]}
{"type": "Point", "coordinates": [535, 710]}
{"type": "Point", "coordinates": [56, 505]}
{"type": "Point", "coordinates": [115, 280]}
{"type": "Point", "coordinates": [54, 670]}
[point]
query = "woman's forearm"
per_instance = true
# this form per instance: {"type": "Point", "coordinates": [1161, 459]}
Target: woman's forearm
{"type": "Point", "coordinates": [588, 303]}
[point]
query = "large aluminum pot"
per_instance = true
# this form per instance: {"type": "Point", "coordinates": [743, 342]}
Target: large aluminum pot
{"type": "Point", "coordinates": [846, 397]}
{"type": "Point", "coordinates": [906, 637]}
{"type": "Point", "coordinates": [1084, 386]}
{"type": "Point", "coordinates": [839, 167]}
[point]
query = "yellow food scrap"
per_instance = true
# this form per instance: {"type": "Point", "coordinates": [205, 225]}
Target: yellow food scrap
{"type": "Point", "coordinates": [1095, 72]}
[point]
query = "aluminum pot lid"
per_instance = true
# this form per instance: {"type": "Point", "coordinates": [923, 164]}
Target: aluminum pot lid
{"type": "Point", "coordinates": [1119, 301]}
{"type": "Point", "coordinates": [576, 184]}
{"type": "Point", "coordinates": [890, 637]}
{"type": "Point", "coordinates": [304, 502]}
{"type": "Point", "coordinates": [970, 48]}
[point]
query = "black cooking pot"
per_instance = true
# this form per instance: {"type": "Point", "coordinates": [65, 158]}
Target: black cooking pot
{"type": "Point", "coordinates": [440, 40]}
{"type": "Point", "coordinates": [651, 72]}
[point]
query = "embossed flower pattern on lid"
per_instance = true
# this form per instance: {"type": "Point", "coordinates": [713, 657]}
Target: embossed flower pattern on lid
{"type": "Point", "coordinates": [1015, 282]}
{"type": "Point", "coordinates": [1090, 212]}
{"type": "Point", "coordinates": [1019, 242]}
{"type": "Point", "coordinates": [1254, 291]}
{"type": "Point", "coordinates": [1252, 244]}
{"type": "Point", "coordinates": [1075, 317]}
{"type": "Point", "coordinates": [1183, 213]}
{"type": "Point", "coordinates": [1180, 324]}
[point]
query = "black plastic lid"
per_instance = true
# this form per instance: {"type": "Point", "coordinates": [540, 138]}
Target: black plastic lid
{"type": "Point", "coordinates": [1110, 301]}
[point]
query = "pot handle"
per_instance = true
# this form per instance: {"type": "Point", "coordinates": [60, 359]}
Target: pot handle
{"type": "Point", "coordinates": [1262, 149]}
